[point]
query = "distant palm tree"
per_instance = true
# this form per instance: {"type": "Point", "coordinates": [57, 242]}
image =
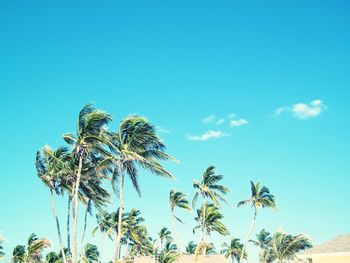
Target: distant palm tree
{"type": "Point", "coordinates": [169, 253]}
{"type": "Point", "coordinates": [51, 166]}
{"type": "Point", "coordinates": [87, 142]}
{"type": "Point", "coordinates": [2, 254]}
{"type": "Point", "coordinates": [177, 199]}
{"type": "Point", "coordinates": [208, 187]}
{"type": "Point", "coordinates": [164, 235]}
{"type": "Point", "coordinates": [32, 253]}
{"type": "Point", "coordinates": [233, 250]}
{"type": "Point", "coordinates": [91, 254]}
{"type": "Point", "coordinates": [263, 241]}
{"type": "Point", "coordinates": [286, 246]}
{"type": "Point", "coordinates": [53, 257]}
{"type": "Point", "coordinates": [212, 223]}
{"type": "Point", "coordinates": [191, 248]}
{"type": "Point", "coordinates": [135, 143]}
{"type": "Point", "coordinates": [260, 198]}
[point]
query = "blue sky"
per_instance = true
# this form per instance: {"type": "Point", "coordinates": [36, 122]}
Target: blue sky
{"type": "Point", "coordinates": [274, 74]}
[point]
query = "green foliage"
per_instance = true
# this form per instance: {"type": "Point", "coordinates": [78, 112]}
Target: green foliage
{"type": "Point", "coordinates": [208, 187]}
{"type": "Point", "coordinates": [233, 249]}
{"type": "Point", "coordinates": [32, 253]}
{"type": "Point", "coordinates": [91, 253]}
{"type": "Point", "coordinates": [285, 246]}
{"type": "Point", "coordinates": [212, 222]}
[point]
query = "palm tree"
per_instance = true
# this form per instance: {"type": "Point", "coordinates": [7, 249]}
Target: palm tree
{"type": "Point", "coordinates": [177, 199]}
{"type": "Point", "coordinates": [32, 253]}
{"type": "Point", "coordinates": [208, 187]}
{"type": "Point", "coordinates": [191, 248]}
{"type": "Point", "coordinates": [2, 254]}
{"type": "Point", "coordinates": [53, 257]}
{"type": "Point", "coordinates": [260, 198]}
{"type": "Point", "coordinates": [50, 166]}
{"type": "Point", "coordinates": [212, 223]}
{"type": "Point", "coordinates": [233, 250]}
{"type": "Point", "coordinates": [169, 253]}
{"type": "Point", "coordinates": [91, 253]}
{"type": "Point", "coordinates": [263, 241]}
{"type": "Point", "coordinates": [286, 246]}
{"type": "Point", "coordinates": [164, 235]}
{"type": "Point", "coordinates": [87, 142]}
{"type": "Point", "coordinates": [135, 143]}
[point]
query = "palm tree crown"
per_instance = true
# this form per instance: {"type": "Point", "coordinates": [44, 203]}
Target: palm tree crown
{"type": "Point", "coordinates": [208, 187]}
{"type": "Point", "coordinates": [286, 246]}
{"type": "Point", "coordinates": [212, 220]}
{"type": "Point", "coordinates": [233, 249]}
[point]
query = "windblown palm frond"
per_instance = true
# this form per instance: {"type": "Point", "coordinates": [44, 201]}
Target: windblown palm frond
{"type": "Point", "coordinates": [212, 220]}
{"type": "Point", "coordinates": [286, 246]}
{"type": "Point", "coordinates": [233, 250]}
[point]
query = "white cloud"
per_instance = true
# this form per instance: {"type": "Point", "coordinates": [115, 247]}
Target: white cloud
{"type": "Point", "coordinates": [303, 110]}
{"type": "Point", "coordinates": [209, 119]}
{"type": "Point", "coordinates": [207, 136]}
{"type": "Point", "coordinates": [240, 122]}
{"type": "Point", "coordinates": [231, 115]}
{"type": "Point", "coordinates": [220, 121]}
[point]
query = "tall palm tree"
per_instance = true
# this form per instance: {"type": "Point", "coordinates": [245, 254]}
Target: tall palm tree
{"type": "Point", "coordinates": [164, 235]}
{"type": "Point", "coordinates": [177, 199]}
{"type": "Point", "coordinates": [208, 187]}
{"type": "Point", "coordinates": [260, 198]}
{"type": "Point", "coordinates": [50, 166]}
{"type": "Point", "coordinates": [212, 223]}
{"type": "Point", "coordinates": [263, 241]}
{"type": "Point", "coordinates": [233, 250]}
{"type": "Point", "coordinates": [2, 254]}
{"type": "Point", "coordinates": [87, 142]}
{"type": "Point", "coordinates": [191, 248]}
{"type": "Point", "coordinates": [135, 143]}
{"type": "Point", "coordinates": [91, 254]}
{"type": "Point", "coordinates": [286, 246]}
{"type": "Point", "coordinates": [32, 253]}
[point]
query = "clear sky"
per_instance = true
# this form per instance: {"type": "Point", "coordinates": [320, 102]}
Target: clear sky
{"type": "Point", "coordinates": [260, 89]}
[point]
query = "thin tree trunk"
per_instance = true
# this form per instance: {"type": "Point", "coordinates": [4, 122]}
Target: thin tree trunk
{"type": "Point", "coordinates": [203, 227]}
{"type": "Point", "coordinates": [58, 227]}
{"type": "Point", "coordinates": [115, 256]}
{"type": "Point", "coordinates": [68, 224]}
{"type": "Point", "coordinates": [121, 204]}
{"type": "Point", "coordinates": [177, 242]}
{"type": "Point", "coordinates": [248, 236]}
{"type": "Point", "coordinates": [75, 217]}
{"type": "Point", "coordinates": [84, 231]}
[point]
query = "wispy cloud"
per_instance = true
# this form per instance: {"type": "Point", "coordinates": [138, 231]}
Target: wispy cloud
{"type": "Point", "coordinates": [237, 123]}
{"type": "Point", "coordinates": [209, 119]}
{"type": "Point", "coordinates": [303, 111]}
{"type": "Point", "coordinates": [220, 121]}
{"type": "Point", "coordinates": [207, 136]}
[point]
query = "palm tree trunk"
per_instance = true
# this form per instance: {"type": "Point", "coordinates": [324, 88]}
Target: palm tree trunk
{"type": "Point", "coordinates": [121, 204]}
{"type": "Point", "coordinates": [175, 230]}
{"type": "Point", "coordinates": [75, 217]}
{"type": "Point", "coordinates": [58, 227]}
{"type": "Point", "coordinates": [84, 231]}
{"type": "Point", "coordinates": [203, 227]}
{"type": "Point", "coordinates": [248, 236]}
{"type": "Point", "coordinates": [68, 223]}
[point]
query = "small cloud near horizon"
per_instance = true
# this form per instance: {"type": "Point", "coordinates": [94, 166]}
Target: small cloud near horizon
{"type": "Point", "coordinates": [207, 135]}
{"type": "Point", "coordinates": [303, 111]}
{"type": "Point", "coordinates": [209, 119]}
{"type": "Point", "coordinates": [237, 123]}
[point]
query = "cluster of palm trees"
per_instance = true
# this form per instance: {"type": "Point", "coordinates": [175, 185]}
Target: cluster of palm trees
{"type": "Point", "coordinates": [279, 247]}
{"type": "Point", "coordinates": [96, 156]}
